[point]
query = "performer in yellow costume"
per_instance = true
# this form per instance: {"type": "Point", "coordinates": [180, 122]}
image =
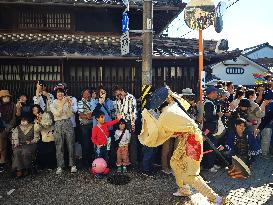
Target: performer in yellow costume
{"type": "Point", "coordinates": [174, 122]}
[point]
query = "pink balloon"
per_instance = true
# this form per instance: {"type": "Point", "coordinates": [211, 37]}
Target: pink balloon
{"type": "Point", "coordinates": [99, 165]}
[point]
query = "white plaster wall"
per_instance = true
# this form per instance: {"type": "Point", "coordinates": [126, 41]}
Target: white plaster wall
{"type": "Point", "coordinates": [238, 79]}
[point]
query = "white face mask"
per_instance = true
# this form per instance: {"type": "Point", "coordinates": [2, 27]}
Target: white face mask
{"type": "Point", "coordinates": [24, 123]}
{"type": "Point", "coordinates": [6, 99]}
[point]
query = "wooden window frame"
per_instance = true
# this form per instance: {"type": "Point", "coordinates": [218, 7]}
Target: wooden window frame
{"type": "Point", "coordinates": [41, 16]}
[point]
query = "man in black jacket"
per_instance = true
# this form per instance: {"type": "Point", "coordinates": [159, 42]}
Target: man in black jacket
{"type": "Point", "coordinates": [211, 124]}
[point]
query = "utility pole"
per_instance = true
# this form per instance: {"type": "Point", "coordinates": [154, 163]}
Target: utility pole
{"type": "Point", "coordinates": [147, 52]}
{"type": "Point", "coordinates": [201, 65]}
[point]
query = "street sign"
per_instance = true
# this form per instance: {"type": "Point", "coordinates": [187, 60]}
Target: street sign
{"type": "Point", "coordinates": [124, 22]}
{"type": "Point", "coordinates": [199, 14]}
{"type": "Point", "coordinates": [125, 39]}
{"type": "Point", "coordinates": [125, 43]}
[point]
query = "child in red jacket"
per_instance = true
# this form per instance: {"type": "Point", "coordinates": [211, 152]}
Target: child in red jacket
{"type": "Point", "coordinates": [100, 136]}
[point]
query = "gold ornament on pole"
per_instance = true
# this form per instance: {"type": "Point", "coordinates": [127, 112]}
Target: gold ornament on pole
{"type": "Point", "coordinates": [199, 15]}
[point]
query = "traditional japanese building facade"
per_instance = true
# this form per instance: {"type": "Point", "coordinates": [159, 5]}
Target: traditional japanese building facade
{"type": "Point", "coordinates": [78, 42]}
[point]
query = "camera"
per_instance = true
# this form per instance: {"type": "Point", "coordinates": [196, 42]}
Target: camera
{"type": "Point", "coordinates": [41, 83]}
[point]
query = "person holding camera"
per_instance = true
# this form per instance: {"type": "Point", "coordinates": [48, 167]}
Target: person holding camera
{"type": "Point", "coordinates": [62, 111]}
{"type": "Point", "coordinates": [42, 97]}
{"type": "Point", "coordinates": [22, 107]}
{"type": "Point", "coordinates": [104, 104]}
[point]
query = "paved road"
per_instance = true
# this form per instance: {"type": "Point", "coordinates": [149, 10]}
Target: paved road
{"type": "Point", "coordinates": [257, 189]}
{"type": "Point", "coordinates": [81, 188]}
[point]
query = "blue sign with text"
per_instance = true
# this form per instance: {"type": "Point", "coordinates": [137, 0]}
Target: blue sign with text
{"type": "Point", "coordinates": [124, 22]}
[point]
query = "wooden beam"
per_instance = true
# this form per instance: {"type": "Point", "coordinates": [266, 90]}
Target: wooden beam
{"type": "Point", "coordinates": [85, 5]}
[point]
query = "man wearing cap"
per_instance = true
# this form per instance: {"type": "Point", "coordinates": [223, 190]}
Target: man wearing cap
{"type": "Point", "coordinates": [211, 117]}
{"type": "Point", "coordinates": [42, 97]}
{"type": "Point", "coordinates": [7, 113]}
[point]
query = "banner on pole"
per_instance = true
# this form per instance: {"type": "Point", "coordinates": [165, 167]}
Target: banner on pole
{"type": "Point", "coordinates": [125, 43]}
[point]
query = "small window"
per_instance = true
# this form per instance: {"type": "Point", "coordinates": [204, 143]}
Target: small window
{"type": "Point", "coordinates": [234, 70]}
{"type": "Point", "coordinates": [44, 20]}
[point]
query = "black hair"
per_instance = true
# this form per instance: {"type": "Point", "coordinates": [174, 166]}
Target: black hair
{"type": "Point", "coordinates": [239, 121]}
{"type": "Point", "coordinates": [85, 89]}
{"type": "Point", "coordinates": [26, 117]}
{"type": "Point", "coordinates": [249, 93]}
{"type": "Point", "coordinates": [98, 114]}
{"type": "Point", "coordinates": [116, 87]}
{"type": "Point", "coordinates": [239, 93]}
{"type": "Point", "coordinates": [39, 108]}
{"type": "Point", "coordinates": [23, 94]}
{"type": "Point", "coordinates": [229, 83]}
{"type": "Point", "coordinates": [98, 90]}
{"type": "Point", "coordinates": [122, 121]}
{"type": "Point", "coordinates": [41, 83]}
{"type": "Point", "coordinates": [60, 90]}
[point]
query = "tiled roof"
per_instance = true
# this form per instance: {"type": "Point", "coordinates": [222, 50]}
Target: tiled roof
{"type": "Point", "coordinates": [56, 45]}
{"type": "Point", "coordinates": [250, 50]}
{"type": "Point", "coordinates": [266, 62]}
{"type": "Point", "coordinates": [95, 2]}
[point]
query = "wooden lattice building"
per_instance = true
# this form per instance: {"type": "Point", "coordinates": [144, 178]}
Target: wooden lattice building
{"type": "Point", "coordinates": [78, 42]}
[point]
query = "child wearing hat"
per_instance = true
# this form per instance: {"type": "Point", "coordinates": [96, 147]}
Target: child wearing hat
{"type": "Point", "coordinates": [24, 146]}
{"type": "Point", "coordinates": [122, 138]}
{"type": "Point", "coordinates": [8, 118]}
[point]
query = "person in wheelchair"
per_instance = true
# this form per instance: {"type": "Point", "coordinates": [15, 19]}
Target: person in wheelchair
{"type": "Point", "coordinates": [24, 147]}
